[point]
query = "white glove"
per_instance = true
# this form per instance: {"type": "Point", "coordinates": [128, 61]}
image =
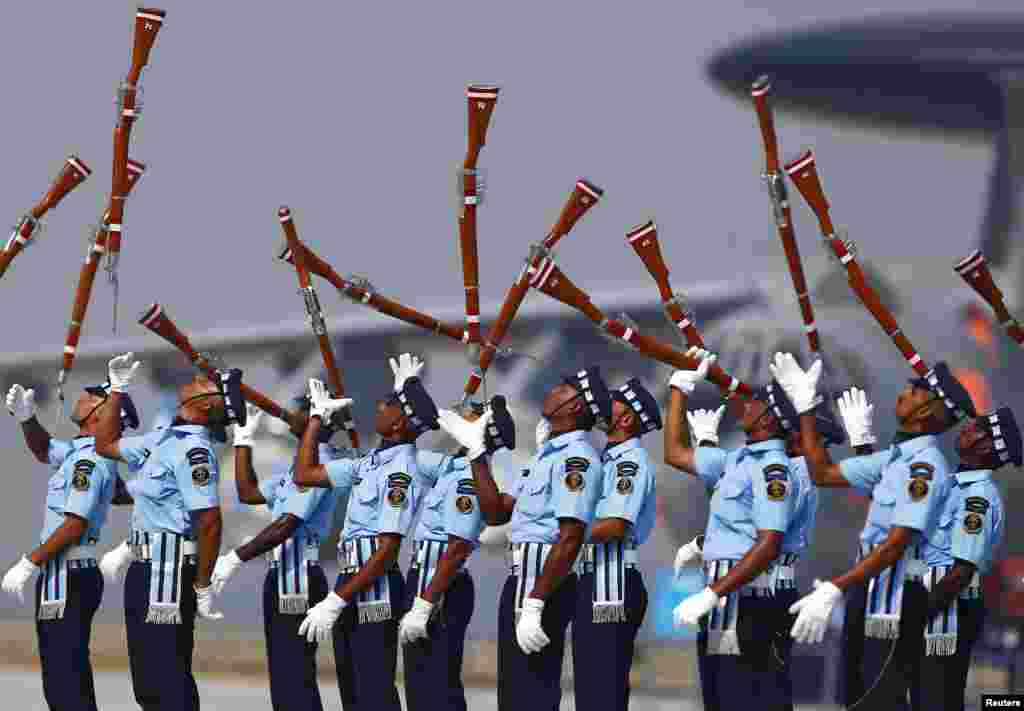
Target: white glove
{"type": "Point", "coordinates": [204, 604]}
{"type": "Point", "coordinates": [321, 617]}
{"type": "Point", "coordinates": [529, 632]}
{"type": "Point", "coordinates": [226, 566]}
{"type": "Point", "coordinates": [16, 578]}
{"type": "Point", "coordinates": [801, 387]}
{"type": "Point", "coordinates": [115, 562]}
{"type": "Point", "coordinates": [543, 431]}
{"type": "Point", "coordinates": [407, 366]}
{"type": "Point", "coordinates": [468, 434]}
{"type": "Point", "coordinates": [414, 622]}
{"type": "Point", "coordinates": [21, 403]}
{"type": "Point", "coordinates": [686, 380]}
{"type": "Point", "coordinates": [857, 414]}
{"type": "Point", "coordinates": [704, 424]}
{"type": "Point", "coordinates": [242, 435]}
{"type": "Point", "coordinates": [321, 402]}
{"type": "Point", "coordinates": [687, 554]}
{"type": "Point", "coordinates": [814, 611]}
{"type": "Point", "coordinates": [690, 610]}
{"type": "Point", "coordinates": [121, 371]}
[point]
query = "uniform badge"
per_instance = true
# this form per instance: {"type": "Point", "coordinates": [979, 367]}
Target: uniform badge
{"type": "Point", "coordinates": [918, 488]}
{"type": "Point", "coordinates": [200, 475]}
{"type": "Point", "coordinates": [396, 496]}
{"type": "Point", "coordinates": [777, 490]}
{"type": "Point", "coordinates": [466, 486]}
{"type": "Point", "coordinates": [624, 485]}
{"type": "Point", "coordinates": [464, 505]}
{"type": "Point", "coordinates": [627, 468]}
{"type": "Point", "coordinates": [577, 464]}
{"type": "Point", "coordinates": [976, 504]}
{"type": "Point", "coordinates": [972, 523]}
{"type": "Point", "coordinates": [574, 481]}
{"type": "Point", "coordinates": [199, 459]}
{"type": "Point", "coordinates": [776, 472]}
{"type": "Point", "coordinates": [80, 476]}
{"type": "Point", "coordinates": [399, 479]}
{"type": "Point", "coordinates": [922, 470]}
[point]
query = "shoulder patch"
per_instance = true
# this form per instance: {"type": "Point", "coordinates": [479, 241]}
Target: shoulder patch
{"type": "Point", "coordinates": [574, 481]}
{"type": "Point", "coordinates": [624, 485]}
{"type": "Point", "coordinates": [627, 468]}
{"type": "Point", "coordinates": [80, 476]}
{"type": "Point", "coordinates": [466, 486]}
{"type": "Point", "coordinates": [973, 523]}
{"type": "Point", "coordinates": [922, 470]}
{"type": "Point", "coordinates": [198, 455]}
{"type": "Point", "coordinates": [776, 472]}
{"type": "Point", "coordinates": [397, 496]}
{"type": "Point", "coordinates": [399, 479]}
{"type": "Point", "coordinates": [464, 505]}
{"type": "Point", "coordinates": [918, 487]}
{"type": "Point", "coordinates": [776, 489]}
{"type": "Point", "coordinates": [977, 504]}
{"type": "Point", "coordinates": [577, 464]}
{"type": "Point", "coordinates": [201, 474]}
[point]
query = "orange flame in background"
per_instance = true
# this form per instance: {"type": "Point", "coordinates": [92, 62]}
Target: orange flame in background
{"type": "Point", "coordinates": [977, 387]}
{"type": "Point", "coordinates": [979, 328]}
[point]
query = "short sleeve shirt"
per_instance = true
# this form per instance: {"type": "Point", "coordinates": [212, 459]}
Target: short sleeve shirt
{"type": "Point", "coordinates": [313, 506]}
{"type": "Point", "coordinates": [82, 485]}
{"type": "Point", "coordinates": [451, 507]}
{"type": "Point", "coordinates": [628, 488]}
{"type": "Point", "coordinates": [973, 522]}
{"type": "Point", "coordinates": [387, 490]}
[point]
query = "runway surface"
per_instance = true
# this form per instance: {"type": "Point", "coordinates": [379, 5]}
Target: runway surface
{"type": "Point", "coordinates": [22, 689]}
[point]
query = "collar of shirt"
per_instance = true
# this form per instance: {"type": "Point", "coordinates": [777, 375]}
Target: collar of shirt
{"type": "Point", "coordinates": [767, 445]}
{"type": "Point", "coordinates": [911, 446]}
{"type": "Point", "coordinates": [970, 477]}
{"type": "Point", "coordinates": [383, 455]}
{"type": "Point", "coordinates": [562, 441]}
{"type": "Point", "coordinates": [617, 450]}
{"type": "Point", "coordinates": [190, 428]}
{"type": "Point", "coordinates": [82, 442]}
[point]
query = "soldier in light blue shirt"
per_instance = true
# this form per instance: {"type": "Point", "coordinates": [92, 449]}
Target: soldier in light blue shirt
{"type": "Point", "coordinates": [908, 483]}
{"type": "Point", "coordinates": [612, 598]}
{"type": "Point", "coordinates": [79, 495]}
{"type": "Point", "coordinates": [549, 506]}
{"type": "Point", "coordinates": [753, 513]}
{"type": "Point", "coordinates": [302, 520]}
{"type": "Point", "coordinates": [386, 492]}
{"type": "Point", "coordinates": [971, 528]}
{"type": "Point", "coordinates": [439, 585]}
{"type": "Point", "coordinates": [176, 529]}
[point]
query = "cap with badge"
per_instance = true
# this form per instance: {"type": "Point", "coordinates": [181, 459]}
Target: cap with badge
{"type": "Point", "coordinates": [129, 415]}
{"type": "Point", "coordinates": [941, 381]}
{"type": "Point", "coordinates": [501, 431]}
{"type": "Point", "coordinates": [589, 383]}
{"type": "Point", "coordinates": [417, 406]}
{"type": "Point", "coordinates": [789, 419]}
{"type": "Point", "coordinates": [1002, 426]}
{"type": "Point", "coordinates": [644, 405]}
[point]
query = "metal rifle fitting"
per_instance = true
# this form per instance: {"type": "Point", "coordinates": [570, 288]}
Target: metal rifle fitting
{"type": "Point", "coordinates": [313, 310]}
{"type": "Point", "coordinates": [777, 194]}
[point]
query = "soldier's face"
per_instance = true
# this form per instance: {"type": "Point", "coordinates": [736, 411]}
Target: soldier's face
{"type": "Point", "coordinates": [972, 439]}
{"type": "Point", "coordinates": [755, 415]}
{"type": "Point", "coordinates": [622, 416]}
{"type": "Point", "coordinates": [912, 400]}
{"type": "Point", "coordinates": [561, 400]}
{"type": "Point", "coordinates": [87, 409]}
{"type": "Point", "coordinates": [389, 418]}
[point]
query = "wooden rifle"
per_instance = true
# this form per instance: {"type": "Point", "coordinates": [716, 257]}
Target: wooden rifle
{"type": "Point", "coordinates": [974, 270]}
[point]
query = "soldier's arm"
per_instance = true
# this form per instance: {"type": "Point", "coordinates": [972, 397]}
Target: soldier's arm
{"type": "Point", "coordinates": [822, 470]}
{"type": "Point", "coordinates": [609, 529]}
{"type": "Point", "coordinates": [496, 507]}
{"type": "Point", "coordinates": [209, 529]}
{"type": "Point", "coordinates": [388, 545]}
{"type": "Point", "coordinates": [448, 566]}
{"type": "Point", "coordinates": [70, 532]}
{"type": "Point", "coordinates": [37, 439]}
{"type": "Point", "coordinates": [108, 430]}
{"type": "Point", "coordinates": [765, 549]}
{"type": "Point", "coordinates": [679, 452]}
{"type": "Point", "coordinates": [246, 481]}
{"type": "Point", "coordinates": [308, 469]}
{"type": "Point", "coordinates": [561, 558]}
{"type": "Point", "coordinates": [949, 588]}
{"type": "Point", "coordinates": [882, 557]}
{"type": "Point", "coordinates": [270, 537]}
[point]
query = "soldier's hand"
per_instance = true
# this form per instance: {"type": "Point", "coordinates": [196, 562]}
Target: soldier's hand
{"type": "Point", "coordinates": [801, 387]}
{"type": "Point", "coordinates": [17, 577]}
{"type": "Point", "coordinates": [529, 632]}
{"type": "Point", "coordinates": [204, 604]}
{"type": "Point", "coordinates": [21, 403]}
{"type": "Point", "coordinates": [414, 623]}
{"type": "Point", "coordinates": [407, 366]}
{"type": "Point", "coordinates": [114, 563]}
{"type": "Point", "coordinates": [687, 554]}
{"type": "Point", "coordinates": [813, 612]}
{"type": "Point", "coordinates": [543, 431]}
{"type": "Point", "coordinates": [857, 414]}
{"type": "Point", "coordinates": [225, 568]}
{"type": "Point", "coordinates": [321, 403]}
{"type": "Point", "coordinates": [468, 434]}
{"type": "Point", "coordinates": [121, 371]}
{"type": "Point", "coordinates": [321, 617]}
{"type": "Point", "coordinates": [242, 435]}
{"type": "Point", "coordinates": [704, 424]}
{"type": "Point", "coordinates": [686, 380]}
{"type": "Point", "coordinates": [690, 610]}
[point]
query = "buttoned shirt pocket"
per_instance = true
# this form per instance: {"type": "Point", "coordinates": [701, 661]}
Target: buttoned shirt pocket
{"type": "Point", "coordinates": [56, 495]}
{"type": "Point", "coordinates": [367, 493]}
{"type": "Point", "coordinates": [883, 503]}
{"type": "Point", "coordinates": [734, 507]}
{"type": "Point", "coordinates": [534, 496]}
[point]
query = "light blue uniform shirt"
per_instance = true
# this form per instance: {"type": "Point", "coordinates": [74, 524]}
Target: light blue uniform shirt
{"type": "Point", "coordinates": [313, 506]}
{"type": "Point", "coordinates": [973, 521]}
{"type": "Point", "coordinates": [178, 474]}
{"type": "Point", "coordinates": [451, 507]}
{"type": "Point", "coordinates": [755, 491]}
{"type": "Point", "coordinates": [563, 480]}
{"type": "Point", "coordinates": [908, 484]}
{"type": "Point", "coordinates": [82, 484]}
{"type": "Point", "coordinates": [627, 490]}
{"type": "Point", "coordinates": [386, 491]}
{"type": "Point", "coordinates": [806, 509]}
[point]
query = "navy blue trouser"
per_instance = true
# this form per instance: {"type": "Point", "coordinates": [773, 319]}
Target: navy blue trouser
{"type": "Point", "coordinates": [366, 655]}
{"type": "Point", "coordinates": [891, 667]}
{"type": "Point", "coordinates": [291, 660]}
{"type": "Point", "coordinates": [433, 667]}
{"type": "Point", "coordinates": [160, 656]}
{"type": "Point", "coordinates": [758, 676]}
{"type": "Point", "coordinates": [64, 643]}
{"type": "Point", "coordinates": [852, 649]}
{"type": "Point", "coordinates": [602, 653]}
{"type": "Point", "coordinates": [533, 681]}
{"type": "Point", "coordinates": [942, 680]}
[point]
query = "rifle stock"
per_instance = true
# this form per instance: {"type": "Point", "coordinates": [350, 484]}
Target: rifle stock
{"type": "Point", "coordinates": [583, 197]}
{"type": "Point", "coordinates": [316, 320]}
{"type": "Point", "coordinates": [87, 276]}
{"type": "Point", "coordinates": [974, 270]}
{"type": "Point", "coordinates": [480, 100]}
{"type": "Point", "coordinates": [776, 185]}
{"type": "Point", "coordinates": [73, 173]}
{"type": "Point", "coordinates": [549, 279]}
{"type": "Point", "coordinates": [803, 172]}
{"type": "Point", "coordinates": [156, 320]}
